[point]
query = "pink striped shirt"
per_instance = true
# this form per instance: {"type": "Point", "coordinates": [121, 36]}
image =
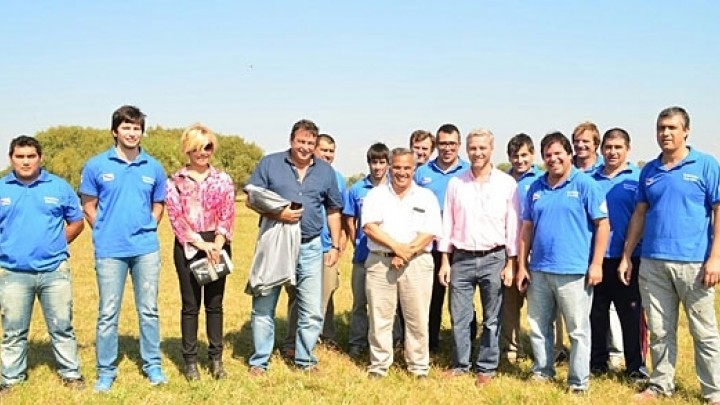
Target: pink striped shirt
{"type": "Point", "coordinates": [481, 215]}
{"type": "Point", "coordinates": [198, 207]}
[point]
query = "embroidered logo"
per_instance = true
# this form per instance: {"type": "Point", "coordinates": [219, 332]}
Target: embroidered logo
{"type": "Point", "coordinates": [425, 180]}
{"type": "Point", "coordinates": [108, 176]}
{"type": "Point", "coordinates": [536, 196]}
{"type": "Point", "coordinates": [630, 187]}
{"type": "Point", "coordinates": [51, 200]}
{"type": "Point", "coordinates": [573, 194]}
{"type": "Point", "coordinates": [5, 201]}
{"type": "Point", "coordinates": [690, 177]}
{"type": "Point", "coordinates": [148, 180]}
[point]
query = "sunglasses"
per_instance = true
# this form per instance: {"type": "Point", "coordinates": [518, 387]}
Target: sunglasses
{"type": "Point", "coordinates": [208, 148]}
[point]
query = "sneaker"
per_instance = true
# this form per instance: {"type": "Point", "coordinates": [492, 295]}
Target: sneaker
{"type": "Point", "coordinates": [77, 384]}
{"type": "Point", "coordinates": [455, 372]}
{"type": "Point", "coordinates": [638, 376]}
{"type": "Point", "coordinates": [104, 383]}
{"type": "Point", "coordinates": [578, 391]}
{"type": "Point", "coordinates": [599, 371]}
{"type": "Point", "coordinates": [156, 376]}
{"type": "Point", "coordinates": [540, 378]}
{"type": "Point", "coordinates": [356, 352]}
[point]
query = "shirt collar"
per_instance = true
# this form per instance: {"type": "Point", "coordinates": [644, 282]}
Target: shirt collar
{"type": "Point", "coordinates": [290, 162]}
{"type": "Point", "coordinates": [600, 171]}
{"type": "Point", "coordinates": [533, 172]}
{"type": "Point", "coordinates": [460, 165]}
{"type": "Point", "coordinates": [142, 157]}
{"type": "Point", "coordinates": [42, 178]}
{"type": "Point", "coordinates": [574, 171]}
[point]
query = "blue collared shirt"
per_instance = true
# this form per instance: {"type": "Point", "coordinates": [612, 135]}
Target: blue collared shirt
{"type": "Point", "coordinates": [326, 238]}
{"type": "Point", "coordinates": [562, 219]}
{"type": "Point", "coordinates": [432, 177]}
{"type": "Point", "coordinates": [680, 200]}
{"type": "Point", "coordinates": [277, 173]}
{"type": "Point", "coordinates": [354, 200]}
{"type": "Point", "coordinates": [124, 225]}
{"type": "Point", "coordinates": [524, 182]}
{"type": "Point", "coordinates": [620, 196]}
{"type": "Point", "coordinates": [599, 161]}
{"type": "Point", "coordinates": [32, 222]}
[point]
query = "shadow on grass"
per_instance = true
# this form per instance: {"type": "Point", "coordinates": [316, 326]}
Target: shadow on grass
{"type": "Point", "coordinates": [172, 347]}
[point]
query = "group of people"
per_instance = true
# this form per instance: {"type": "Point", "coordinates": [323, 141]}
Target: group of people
{"type": "Point", "coordinates": [590, 232]}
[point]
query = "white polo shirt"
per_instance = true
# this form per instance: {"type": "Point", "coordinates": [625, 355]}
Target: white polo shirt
{"type": "Point", "coordinates": [402, 218]}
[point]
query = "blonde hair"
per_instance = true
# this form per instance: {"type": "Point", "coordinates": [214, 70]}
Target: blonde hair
{"type": "Point", "coordinates": [196, 137]}
{"type": "Point", "coordinates": [587, 126]}
{"type": "Point", "coordinates": [481, 133]}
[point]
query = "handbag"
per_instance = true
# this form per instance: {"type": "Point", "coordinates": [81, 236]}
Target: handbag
{"type": "Point", "coordinates": [206, 272]}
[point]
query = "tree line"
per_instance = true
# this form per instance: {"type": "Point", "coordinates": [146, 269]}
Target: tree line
{"type": "Point", "coordinates": [67, 148]}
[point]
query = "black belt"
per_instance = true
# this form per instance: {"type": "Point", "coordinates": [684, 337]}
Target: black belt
{"type": "Point", "coordinates": [480, 253]}
{"type": "Point", "coordinates": [309, 239]}
{"type": "Point", "coordinates": [383, 254]}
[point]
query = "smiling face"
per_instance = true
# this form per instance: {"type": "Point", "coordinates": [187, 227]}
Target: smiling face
{"type": "Point", "coordinates": [557, 161]}
{"type": "Point", "coordinates": [423, 149]}
{"type": "Point", "coordinates": [325, 150]}
{"type": "Point", "coordinates": [378, 169]}
{"type": "Point", "coordinates": [448, 147]}
{"type": "Point", "coordinates": [672, 133]}
{"type": "Point", "coordinates": [402, 171]}
{"type": "Point", "coordinates": [26, 163]}
{"type": "Point", "coordinates": [479, 151]}
{"type": "Point", "coordinates": [522, 160]}
{"type": "Point", "coordinates": [615, 151]}
{"type": "Point", "coordinates": [302, 146]}
{"type": "Point", "coordinates": [584, 144]}
{"type": "Point", "coordinates": [128, 135]}
{"type": "Point", "coordinates": [202, 155]}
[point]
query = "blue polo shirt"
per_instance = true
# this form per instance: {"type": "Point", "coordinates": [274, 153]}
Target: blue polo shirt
{"type": "Point", "coordinates": [354, 199]}
{"type": "Point", "coordinates": [325, 237]}
{"type": "Point", "coordinates": [599, 161]}
{"type": "Point", "coordinates": [524, 182]}
{"type": "Point", "coordinates": [680, 200]}
{"type": "Point", "coordinates": [432, 177]}
{"type": "Point", "coordinates": [277, 173]}
{"type": "Point", "coordinates": [124, 225]}
{"type": "Point", "coordinates": [620, 196]}
{"type": "Point", "coordinates": [562, 220]}
{"type": "Point", "coordinates": [32, 222]}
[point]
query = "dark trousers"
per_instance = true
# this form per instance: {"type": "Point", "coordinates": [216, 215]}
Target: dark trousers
{"type": "Point", "coordinates": [629, 309]}
{"type": "Point", "coordinates": [191, 294]}
{"type": "Point", "coordinates": [436, 307]}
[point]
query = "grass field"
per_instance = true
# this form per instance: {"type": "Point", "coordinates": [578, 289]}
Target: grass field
{"type": "Point", "coordinates": [340, 380]}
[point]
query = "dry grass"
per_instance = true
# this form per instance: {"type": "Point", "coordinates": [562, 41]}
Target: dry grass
{"type": "Point", "coordinates": [340, 380]}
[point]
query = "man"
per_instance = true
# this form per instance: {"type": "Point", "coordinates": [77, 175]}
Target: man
{"type": "Point", "coordinates": [123, 194]}
{"type": "Point", "coordinates": [324, 150]}
{"type": "Point", "coordinates": [480, 225]}
{"type": "Point", "coordinates": [565, 225]}
{"type": "Point", "coordinates": [39, 216]}
{"type": "Point", "coordinates": [423, 144]}
{"type": "Point", "coordinates": [400, 221]}
{"type": "Point", "coordinates": [586, 140]}
{"type": "Point", "coordinates": [378, 159]}
{"type": "Point", "coordinates": [298, 176]}
{"type": "Point", "coordinates": [521, 154]}
{"type": "Point", "coordinates": [677, 207]}
{"type": "Point", "coordinates": [618, 180]}
{"type": "Point", "coordinates": [435, 176]}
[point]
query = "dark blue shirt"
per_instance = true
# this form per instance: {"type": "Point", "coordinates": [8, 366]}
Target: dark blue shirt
{"type": "Point", "coordinates": [620, 196]}
{"type": "Point", "coordinates": [319, 188]}
{"type": "Point", "coordinates": [32, 222]}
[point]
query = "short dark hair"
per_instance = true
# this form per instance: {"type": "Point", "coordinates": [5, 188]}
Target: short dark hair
{"type": "Point", "coordinates": [518, 141]}
{"type": "Point", "coordinates": [675, 110]}
{"type": "Point", "coordinates": [378, 151]}
{"type": "Point", "coordinates": [327, 138]}
{"type": "Point", "coordinates": [449, 129]}
{"type": "Point", "coordinates": [613, 133]}
{"type": "Point", "coordinates": [556, 137]}
{"type": "Point", "coordinates": [306, 125]}
{"type": "Point", "coordinates": [127, 113]}
{"type": "Point", "coordinates": [420, 135]}
{"type": "Point", "coordinates": [23, 141]}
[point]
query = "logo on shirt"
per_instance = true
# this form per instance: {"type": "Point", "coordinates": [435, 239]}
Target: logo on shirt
{"type": "Point", "coordinates": [690, 177]}
{"type": "Point", "coordinates": [425, 180]}
{"type": "Point", "coordinates": [108, 176]}
{"type": "Point", "coordinates": [603, 207]}
{"type": "Point", "coordinates": [51, 200]}
{"type": "Point", "coordinates": [148, 180]}
{"type": "Point", "coordinates": [5, 201]}
{"type": "Point", "coordinates": [536, 196]}
{"type": "Point", "coordinates": [573, 194]}
{"type": "Point", "coordinates": [630, 187]}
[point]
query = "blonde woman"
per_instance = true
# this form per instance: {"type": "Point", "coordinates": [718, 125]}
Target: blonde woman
{"type": "Point", "coordinates": [201, 207]}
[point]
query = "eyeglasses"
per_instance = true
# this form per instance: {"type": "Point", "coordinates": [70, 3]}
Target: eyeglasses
{"type": "Point", "coordinates": [447, 144]}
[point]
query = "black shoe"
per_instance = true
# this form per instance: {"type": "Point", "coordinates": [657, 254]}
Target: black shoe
{"type": "Point", "coordinates": [217, 370]}
{"type": "Point", "coordinates": [191, 372]}
{"type": "Point", "coordinates": [77, 384]}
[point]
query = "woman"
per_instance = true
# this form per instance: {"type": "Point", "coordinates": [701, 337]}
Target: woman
{"type": "Point", "coordinates": [201, 207]}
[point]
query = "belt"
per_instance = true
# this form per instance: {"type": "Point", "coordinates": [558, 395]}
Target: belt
{"type": "Point", "coordinates": [383, 254]}
{"type": "Point", "coordinates": [480, 253]}
{"type": "Point", "coordinates": [308, 239]}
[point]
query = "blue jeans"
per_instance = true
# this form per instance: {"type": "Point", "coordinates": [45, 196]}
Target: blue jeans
{"type": "Point", "coordinates": [308, 290]}
{"type": "Point", "coordinates": [111, 274]}
{"type": "Point", "coordinates": [570, 294]}
{"type": "Point", "coordinates": [467, 272]}
{"type": "Point", "coordinates": [17, 295]}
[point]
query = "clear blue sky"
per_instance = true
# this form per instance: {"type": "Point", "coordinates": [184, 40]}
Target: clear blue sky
{"type": "Point", "coordinates": [364, 71]}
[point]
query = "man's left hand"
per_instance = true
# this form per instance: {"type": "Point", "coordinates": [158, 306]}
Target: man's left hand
{"type": "Point", "coordinates": [711, 270]}
{"type": "Point", "coordinates": [594, 275]}
{"type": "Point", "coordinates": [331, 257]}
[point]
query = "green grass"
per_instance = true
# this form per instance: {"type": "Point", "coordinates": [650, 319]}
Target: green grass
{"type": "Point", "coordinates": [340, 380]}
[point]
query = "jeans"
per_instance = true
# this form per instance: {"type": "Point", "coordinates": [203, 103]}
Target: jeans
{"type": "Point", "coordinates": [308, 295]}
{"type": "Point", "coordinates": [111, 274]}
{"type": "Point", "coordinates": [664, 285]}
{"type": "Point", "coordinates": [570, 294]}
{"type": "Point", "coordinates": [17, 295]}
{"type": "Point", "coordinates": [469, 271]}
{"type": "Point", "coordinates": [191, 294]}
{"type": "Point", "coordinates": [629, 310]}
